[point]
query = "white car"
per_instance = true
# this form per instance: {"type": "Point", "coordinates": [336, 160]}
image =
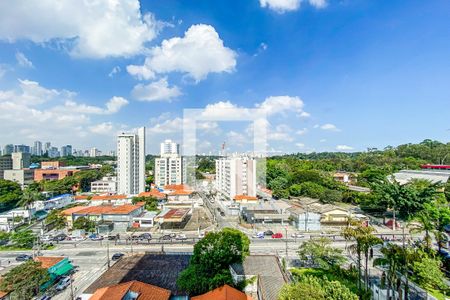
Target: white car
{"type": "Point", "coordinates": [46, 238]}
{"type": "Point", "coordinates": [63, 283]}
{"type": "Point", "coordinates": [77, 238]}
{"type": "Point", "coordinates": [259, 235]}
{"type": "Point", "coordinates": [181, 237]}
{"type": "Point", "coordinates": [297, 236]}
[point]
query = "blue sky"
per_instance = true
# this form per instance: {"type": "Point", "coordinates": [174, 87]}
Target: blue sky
{"type": "Point", "coordinates": [331, 75]}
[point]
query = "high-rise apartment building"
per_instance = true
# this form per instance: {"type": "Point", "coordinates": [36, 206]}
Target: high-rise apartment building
{"type": "Point", "coordinates": [169, 147]}
{"type": "Point", "coordinates": [66, 150]}
{"type": "Point", "coordinates": [5, 164]}
{"type": "Point", "coordinates": [47, 147]}
{"type": "Point", "coordinates": [170, 168]}
{"type": "Point", "coordinates": [94, 152]}
{"type": "Point", "coordinates": [236, 176]}
{"type": "Point", "coordinates": [131, 162]}
{"type": "Point", "coordinates": [37, 148]}
{"type": "Point", "coordinates": [20, 160]}
{"type": "Point", "coordinates": [8, 149]}
{"type": "Point", "coordinates": [22, 148]}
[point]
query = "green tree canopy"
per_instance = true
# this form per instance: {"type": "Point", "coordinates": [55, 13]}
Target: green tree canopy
{"type": "Point", "coordinates": [10, 194]}
{"type": "Point", "coordinates": [151, 203]}
{"type": "Point", "coordinates": [209, 265]}
{"type": "Point", "coordinates": [84, 223]}
{"type": "Point", "coordinates": [313, 288]}
{"type": "Point", "coordinates": [318, 252]}
{"type": "Point", "coordinates": [56, 219]}
{"type": "Point", "coordinates": [24, 280]}
{"type": "Point", "coordinates": [23, 239]}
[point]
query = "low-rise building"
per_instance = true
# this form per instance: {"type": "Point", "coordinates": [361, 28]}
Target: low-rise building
{"type": "Point", "coordinates": [305, 220]}
{"type": "Point", "coordinates": [264, 274]}
{"type": "Point", "coordinates": [11, 219]}
{"type": "Point", "coordinates": [175, 217]}
{"type": "Point", "coordinates": [56, 266]}
{"type": "Point", "coordinates": [52, 164]}
{"type": "Point", "coordinates": [245, 199]}
{"type": "Point", "coordinates": [275, 211]}
{"type": "Point", "coordinates": [225, 292]}
{"type": "Point", "coordinates": [53, 203]}
{"type": "Point", "coordinates": [103, 200]}
{"type": "Point", "coordinates": [145, 220]}
{"type": "Point", "coordinates": [105, 185]}
{"type": "Point", "coordinates": [53, 174]}
{"type": "Point", "coordinates": [23, 177]}
{"type": "Point", "coordinates": [131, 290]}
{"type": "Point", "coordinates": [121, 216]}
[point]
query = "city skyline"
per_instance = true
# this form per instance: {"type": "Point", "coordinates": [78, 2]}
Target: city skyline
{"type": "Point", "coordinates": [357, 74]}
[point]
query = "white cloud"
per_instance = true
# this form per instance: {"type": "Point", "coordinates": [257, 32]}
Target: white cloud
{"type": "Point", "coordinates": [167, 126]}
{"type": "Point", "coordinates": [329, 127]}
{"type": "Point", "coordinates": [278, 104]}
{"type": "Point", "coordinates": [322, 140]}
{"type": "Point", "coordinates": [55, 115]}
{"type": "Point", "coordinates": [343, 148]}
{"type": "Point", "coordinates": [155, 91]}
{"type": "Point", "coordinates": [305, 114]}
{"type": "Point", "coordinates": [198, 53]}
{"type": "Point", "coordinates": [114, 71]}
{"type": "Point", "coordinates": [23, 60]}
{"type": "Point", "coordinates": [282, 6]}
{"type": "Point", "coordinates": [94, 29]}
{"type": "Point", "coordinates": [102, 128]}
{"type": "Point", "coordinates": [112, 106]}
{"type": "Point", "coordinates": [318, 3]}
{"type": "Point", "coordinates": [302, 131]}
{"type": "Point", "coordinates": [300, 145]}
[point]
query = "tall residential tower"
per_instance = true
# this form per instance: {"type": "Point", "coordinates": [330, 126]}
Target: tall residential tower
{"type": "Point", "coordinates": [131, 162]}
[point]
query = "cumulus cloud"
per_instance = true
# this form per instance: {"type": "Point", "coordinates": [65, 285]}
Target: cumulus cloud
{"type": "Point", "coordinates": [199, 52]}
{"type": "Point", "coordinates": [54, 113]}
{"type": "Point", "coordinates": [343, 148]}
{"type": "Point", "coordinates": [300, 145]}
{"type": "Point", "coordinates": [329, 127]}
{"type": "Point", "coordinates": [23, 61]}
{"type": "Point", "coordinates": [102, 128]}
{"type": "Point", "coordinates": [114, 71]}
{"type": "Point", "coordinates": [94, 29]}
{"type": "Point", "coordinates": [282, 6]}
{"type": "Point", "coordinates": [302, 131]}
{"type": "Point", "coordinates": [155, 91]}
{"type": "Point", "coordinates": [278, 104]}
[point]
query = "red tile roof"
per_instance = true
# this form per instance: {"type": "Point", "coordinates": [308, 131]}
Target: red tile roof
{"type": "Point", "coordinates": [103, 209]}
{"type": "Point", "coordinates": [180, 193]}
{"type": "Point", "coordinates": [98, 198]}
{"type": "Point", "coordinates": [118, 291]}
{"type": "Point", "coordinates": [48, 261]}
{"type": "Point", "coordinates": [153, 193]}
{"type": "Point", "coordinates": [177, 187]}
{"type": "Point", "coordinates": [224, 292]}
{"type": "Point", "coordinates": [244, 197]}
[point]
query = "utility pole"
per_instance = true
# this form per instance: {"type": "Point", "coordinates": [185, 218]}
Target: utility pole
{"type": "Point", "coordinates": [107, 251]}
{"type": "Point", "coordinates": [286, 241]}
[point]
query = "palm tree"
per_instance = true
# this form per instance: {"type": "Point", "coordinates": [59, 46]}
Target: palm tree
{"type": "Point", "coordinates": [393, 261]}
{"type": "Point", "coordinates": [422, 222]}
{"type": "Point", "coordinates": [364, 238]}
{"type": "Point", "coordinates": [28, 197]}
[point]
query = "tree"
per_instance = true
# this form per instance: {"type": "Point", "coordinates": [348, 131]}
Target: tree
{"type": "Point", "coordinates": [312, 189]}
{"type": "Point", "coordinates": [28, 197]}
{"type": "Point", "coordinates": [427, 272]}
{"type": "Point", "coordinates": [318, 252]}
{"type": "Point", "coordinates": [84, 224]}
{"type": "Point", "coordinates": [151, 203]}
{"type": "Point", "coordinates": [209, 264]}
{"type": "Point", "coordinates": [331, 196]}
{"type": "Point", "coordinates": [85, 178]}
{"type": "Point", "coordinates": [24, 280]}
{"type": "Point", "coordinates": [447, 190]}
{"type": "Point", "coordinates": [23, 239]}
{"type": "Point", "coordinates": [364, 238]}
{"type": "Point", "coordinates": [393, 261]}
{"type": "Point", "coordinates": [313, 288]}
{"type": "Point", "coordinates": [56, 219]}
{"type": "Point", "coordinates": [10, 194]}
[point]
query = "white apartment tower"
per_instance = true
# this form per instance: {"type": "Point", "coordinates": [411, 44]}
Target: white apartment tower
{"type": "Point", "coordinates": [236, 176]}
{"type": "Point", "coordinates": [170, 167]}
{"type": "Point", "coordinates": [131, 162]}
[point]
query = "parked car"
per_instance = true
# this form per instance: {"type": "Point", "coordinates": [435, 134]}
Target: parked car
{"type": "Point", "coordinates": [60, 237]}
{"type": "Point", "coordinates": [63, 283]}
{"type": "Point", "coordinates": [268, 232]}
{"type": "Point", "coordinates": [181, 237]}
{"type": "Point", "coordinates": [77, 238]}
{"type": "Point", "coordinates": [172, 235]}
{"type": "Point", "coordinates": [277, 235]}
{"type": "Point", "coordinates": [259, 235]}
{"type": "Point", "coordinates": [117, 256]}
{"type": "Point", "coordinates": [145, 236]}
{"type": "Point", "coordinates": [112, 237]}
{"type": "Point", "coordinates": [46, 238]}
{"type": "Point", "coordinates": [23, 257]}
{"type": "Point", "coordinates": [45, 297]}
{"type": "Point", "coordinates": [297, 235]}
{"type": "Point", "coordinates": [95, 237]}
{"type": "Point", "coordinates": [165, 237]}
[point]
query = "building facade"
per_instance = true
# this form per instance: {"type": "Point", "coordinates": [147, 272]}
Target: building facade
{"type": "Point", "coordinates": [131, 162]}
{"type": "Point", "coordinates": [23, 177]}
{"type": "Point", "coordinates": [236, 176]}
{"type": "Point", "coordinates": [37, 148]}
{"type": "Point", "coordinates": [20, 160]}
{"type": "Point", "coordinates": [170, 168]}
{"type": "Point", "coordinates": [105, 185]}
{"type": "Point", "coordinates": [5, 164]}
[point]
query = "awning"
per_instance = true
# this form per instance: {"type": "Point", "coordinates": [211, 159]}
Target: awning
{"type": "Point", "coordinates": [63, 270]}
